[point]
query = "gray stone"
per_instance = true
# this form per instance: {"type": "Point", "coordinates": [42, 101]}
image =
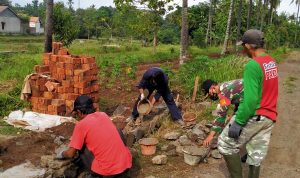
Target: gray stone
{"type": "Point", "coordinates": [59, 140]}
{"type": "Point", "coordinates": [172, 136]}
{"type": "Point", "coordinates": [164, 148]}
{"type": "Point", "coordinates": [120, 110]}
{"type": "Point", "coordinates": [171, 152]}
{"type": "Point", "coordinates": [62, 147]}
{"type": "Point", "coordinates": [199, 132]}
{"type": "Point", "coordinates": [160, 159]}
{"type": "Point", "coordinates": [1, 162]}
{"type": "Point", "coordinates": [216, 154]}
{"type": "Point", "coordinates": [52, 135]}
{"type": "Point", "coordinates": [150, 177]}
{"type": "Point", "coordinates": [184, 140]}
{"type": "Point", "coordinates": [179, 149]}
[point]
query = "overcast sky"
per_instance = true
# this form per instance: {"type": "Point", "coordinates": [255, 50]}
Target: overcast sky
{"type": "Point", "coordinates": [285, 5]}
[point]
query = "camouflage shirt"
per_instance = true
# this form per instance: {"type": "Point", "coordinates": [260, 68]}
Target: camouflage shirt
{"type": "Point", "coordinates": [230, 93]}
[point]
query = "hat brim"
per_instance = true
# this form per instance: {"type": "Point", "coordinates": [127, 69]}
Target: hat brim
{"type": "Point", "coordinates": [239, 43]}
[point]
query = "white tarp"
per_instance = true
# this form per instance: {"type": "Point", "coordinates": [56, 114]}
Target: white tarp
{"type": "Point", "coordinates": [25, 170]}
{"type": "Point", "coordinates": [35, 121]}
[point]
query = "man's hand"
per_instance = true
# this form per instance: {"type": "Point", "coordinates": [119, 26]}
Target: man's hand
{"type": "Point", "coordinates": [234, 130]}
{"type": "Point", "coordinates": [207, 141]}
{"type": "Point", "coordinates": [60, 155]}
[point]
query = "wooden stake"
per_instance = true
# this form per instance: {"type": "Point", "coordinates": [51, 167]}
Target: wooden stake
{"type": "Point", "coordinates": [195, 89]}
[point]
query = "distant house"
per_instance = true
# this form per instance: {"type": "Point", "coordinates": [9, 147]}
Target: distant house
{"type": "Point", "coordinates": [10, 22]}
{"type": "Point", "coordinates": [35, 25]}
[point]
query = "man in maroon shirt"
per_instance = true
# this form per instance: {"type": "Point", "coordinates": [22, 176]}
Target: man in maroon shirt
{"type": "Point", "coordinates": [97, 140]}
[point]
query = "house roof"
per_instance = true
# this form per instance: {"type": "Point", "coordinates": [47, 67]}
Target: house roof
{"type": "Point", "coordinates": [34, 19]}
{"type": "Point", "coordinates": [3, 8]}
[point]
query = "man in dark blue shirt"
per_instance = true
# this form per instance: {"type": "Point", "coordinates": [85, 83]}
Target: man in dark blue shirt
{"type": "Point", "coordinates": [155, 79]}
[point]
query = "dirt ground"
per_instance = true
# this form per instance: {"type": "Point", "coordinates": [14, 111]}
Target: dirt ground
{"type": "Point", "coordinates": [282, 159]}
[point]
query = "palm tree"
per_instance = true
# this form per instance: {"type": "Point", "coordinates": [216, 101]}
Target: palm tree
{"type": "Point", "coordinates": [184, 32]}
{"type": "Point", "coordinates": [262, 15]}
{"type": "Point", "coordinates": [259, 3]}
{"type": "Point", "coordinates": [224, 50]}
{"type": "Point", "coordinates": [273, 6]}
{"type": "Point", "coordinates": [249, 14]}
{"type": "Point", "coordinates": [297, 2]}
{"type": "Point", "coordinates": [238, 32]}
{"type": "Point", "coordinates": [49, 26]}
{"type": "Point", "coordinates": [209, 23]}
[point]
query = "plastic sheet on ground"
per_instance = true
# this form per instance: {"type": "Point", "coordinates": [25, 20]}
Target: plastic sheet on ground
{"type": "Point", "coordinates": [35, 121]}
{"type": "Point", "coordinates": [25, 170]}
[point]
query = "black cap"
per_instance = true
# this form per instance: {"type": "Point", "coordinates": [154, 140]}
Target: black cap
{"type": "Point", "coordinates": [252, 36]}
{"type": "Point", "coordinates": [83, 102]}
{"type": "Point", "coordinates": [206, 85]}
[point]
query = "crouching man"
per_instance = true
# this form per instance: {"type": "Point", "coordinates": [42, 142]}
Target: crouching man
{"type": "Point", "coordinates": [98, 143]}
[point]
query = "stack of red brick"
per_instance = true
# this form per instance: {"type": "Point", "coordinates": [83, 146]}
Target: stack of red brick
{"type": "Point", "coordinates": [61, 79]}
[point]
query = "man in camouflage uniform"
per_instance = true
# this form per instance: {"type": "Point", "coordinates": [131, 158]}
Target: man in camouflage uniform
{"type": "Point", "coordinates": [228, 93]}
{"type": "Point", "coordinates": [256, 115]}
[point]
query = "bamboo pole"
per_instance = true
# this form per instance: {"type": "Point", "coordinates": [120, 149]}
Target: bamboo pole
{"type": "Point", "coordinates": [195, 89]}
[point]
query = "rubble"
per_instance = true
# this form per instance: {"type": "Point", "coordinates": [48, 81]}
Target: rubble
{"type": "Point", "coordinates": [216, 154]}
{"type": "Point", "coordinates": [172, 136]}
{"type": "Point", "coordinates": [184, 140]}
{"type": "Point", "coordinates": [160, 159]}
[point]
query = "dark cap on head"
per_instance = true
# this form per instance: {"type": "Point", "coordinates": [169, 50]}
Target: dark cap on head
{"type": "Point", "coordinates": [252, 36]}
{"type": "Point", "coordinates": [83, 102]}
{"type": "Point", "coordinates": [206, 85]}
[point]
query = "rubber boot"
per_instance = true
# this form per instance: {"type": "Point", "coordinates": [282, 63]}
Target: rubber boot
{"type": "Point", "coordinates": [234, 165]}
{"type": "Point", "coordinates": [253, 171]}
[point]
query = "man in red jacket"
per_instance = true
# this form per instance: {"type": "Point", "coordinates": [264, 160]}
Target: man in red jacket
{"type": "Point", "coordinates": [97, 140]}
{"type": "Point", "coordinates": [253, 122]}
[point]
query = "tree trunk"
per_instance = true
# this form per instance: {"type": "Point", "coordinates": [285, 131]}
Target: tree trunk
{"type": "Point", "coordinates": [262, 17]}
{"type": "Point", "coordinates": [271, 12]}
{"type": "Point", "coordinates": [297, 20]}
{"type": "Point", "coordinates": [249, 14]}
{"type": "Point", "coordinates": [184, 32]}
{"type": "Point", "coordinates": [225, 45]}
{"type": "Point", "coordinates": [238, 32]}
{"type": "Point", "coordinates": [49, 26]}
{"type": "Point", "coordinates": [258, 13]}
{"type": "Point", "coordinates": [208, 34]}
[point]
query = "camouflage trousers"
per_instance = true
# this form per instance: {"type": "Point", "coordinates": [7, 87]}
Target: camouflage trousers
{"type": "Point", "coordinates": [255, 134]}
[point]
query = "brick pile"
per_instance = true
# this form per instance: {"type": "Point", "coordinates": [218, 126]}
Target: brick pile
{"type": "Point", "coordinates": [62, 78]}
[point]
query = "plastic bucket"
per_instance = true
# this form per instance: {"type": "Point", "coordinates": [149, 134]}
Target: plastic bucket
{"type": "Point", "coordinates": [148, 145]}
{"type": "Point", "coordinates": [144, 107]}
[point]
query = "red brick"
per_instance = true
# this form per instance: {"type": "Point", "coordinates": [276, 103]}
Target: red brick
{"type": "Point", "coordinates": [54, 58]}
{"type": "Point", "coordinates": [76, 90]}
{"type": "Point", "coordinates": [63, 51]}
{"type": "Point", "coordinates": [69, 72]}
{"type": "Point", "coordinates": [57, 102]}
{"type": "Point", "coordinates": [85, 90]}
{"type": "Point", "coordinates": [72, 96]}
{"type": "Point", "coordinates": [67, 83]}
{"type": "Point", "coordinates": [44, 101]}
{"type": "Point", "coordinates": [49, 95]}
{"type": "Point", "coordinates": [70, 103]}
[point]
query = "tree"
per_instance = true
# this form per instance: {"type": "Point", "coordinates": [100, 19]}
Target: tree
{"type": "Point", "coordinates": [249, 14]}
{"type": "Point", "coordinates": [49, 27]}
{"type": "Point", "coordinates": [157, 8]}
{"type": "Point", "coordinates": [65, 27]}
{"type": "Point", "coordinates": [239, 17]}
{"type": "Point", "coordinates": [225, 45]}
{"type": "Point", "coordinates": [273, 6]}
{"type": "Point", "coordinates": [70, 5]}
{"type": "Point", "coordinates": [184, 32]}
{"type": "Point", "coordinates": [297, 2]}
{"type": "Point", "coordinates": [5, 2]}
{"type": "Point", "coordinates": [209, 24]}
{"type": "Point", "coordinates": [258, 13]}
{"type": "Point", "coordinates": [262, 17]}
